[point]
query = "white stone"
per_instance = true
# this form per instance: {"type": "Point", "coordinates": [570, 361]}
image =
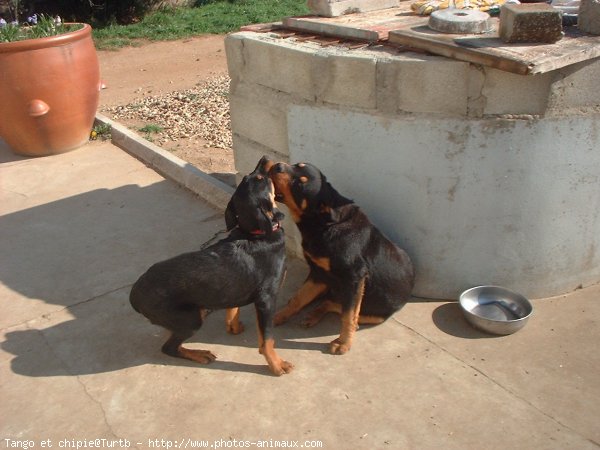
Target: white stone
{"type": "Point", "coordinates": [279, 65]}
{"type": "Point", "coordinates": [576, 87]}
{"type": "Point", "coordinates": [588, 19]}
{"type": "Point", "coordinates": [347, 79]}
{"type": "Point", "coordinates": [509, 93]}
{"type": "Point", "coordinates": [437, 86]}
{"type": "Point", "coordinates": [260, 115]}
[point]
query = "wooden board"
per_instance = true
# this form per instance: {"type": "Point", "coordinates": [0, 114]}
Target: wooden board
{"type": "Point", "coordinates": [400, 26]}
{"type": "Point", "coordinates": [371, 26]}
{"type": "Point", "coordinates": [487, 49]}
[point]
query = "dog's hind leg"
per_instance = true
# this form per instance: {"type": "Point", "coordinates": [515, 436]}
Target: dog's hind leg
{"type": "Point", "coordinates": [232, 321]}
{"type": "Point", "coordinates": [174, 347]}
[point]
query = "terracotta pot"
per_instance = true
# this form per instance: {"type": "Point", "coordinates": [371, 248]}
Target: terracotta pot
{"type": "Point", "coordinates": [49, 89]}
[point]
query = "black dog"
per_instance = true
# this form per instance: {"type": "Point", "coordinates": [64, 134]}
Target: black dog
{"type": "Point", "coordinates": [365, 276]}
{"type": "Point", "coordinates": [246, 267]}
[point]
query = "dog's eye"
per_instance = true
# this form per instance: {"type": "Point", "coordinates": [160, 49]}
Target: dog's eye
{"type": "Point", "coordinates": [259, 177]}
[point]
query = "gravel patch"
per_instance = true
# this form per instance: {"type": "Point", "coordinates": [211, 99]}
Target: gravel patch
{"type": "Point", "coordinates": [202, 112]}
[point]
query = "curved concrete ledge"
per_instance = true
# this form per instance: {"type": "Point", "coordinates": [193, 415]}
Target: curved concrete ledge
{"type": "Point", "coordinates": [214, 191]}
{"type": "Point", "coordinates": [484, 176]}
{"type": "Point", "coordinates": [496, 201]}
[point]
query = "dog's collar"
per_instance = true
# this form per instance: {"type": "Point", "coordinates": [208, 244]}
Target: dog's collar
{"type": "Point", "coordinates": [276, 227]}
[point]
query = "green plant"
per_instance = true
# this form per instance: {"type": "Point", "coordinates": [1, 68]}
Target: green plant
{"type": "Point", "coordinates": [101, 131]}
{"type": "Point", "coordinates": [95, 12]}
{"type": "Point", "coordinates": [151, 128]}
{"type": "Point", "coordinates": [209, 16]}
{"type": "Point", "coordinates": [36, 27]}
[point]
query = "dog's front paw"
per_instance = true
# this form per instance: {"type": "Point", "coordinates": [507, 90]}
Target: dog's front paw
{"type": "Point", "coordinates": [281, 368]}
{"type": "Point", "coordinates": [200, 356]}
{"type": "Point", "coordinates": [235, 327]}
{"type": "Point", "coordinates": [337, 347]}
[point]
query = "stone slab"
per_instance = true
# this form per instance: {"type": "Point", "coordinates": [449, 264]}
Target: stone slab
{"type": "Point", "coordinates": [102, 360]}
{"type": "Point", "coordinates": [432, 85]}
{"type": "Point", "coordinates": [370, 26]}
{"type": "Point", "coordinates": [489, 50]}
{"type": "Point", "coordinates": [458, 21]}
{"type": "Point", "coordinates": [589, 16]}
{"type": "Point", "coordinates": [562, 323]}
{"type": "Point", "coordinates": [530, 22]}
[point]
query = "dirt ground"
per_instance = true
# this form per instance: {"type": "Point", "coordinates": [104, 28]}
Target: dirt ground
{"type": "Point", "coordinates": [158, 68]}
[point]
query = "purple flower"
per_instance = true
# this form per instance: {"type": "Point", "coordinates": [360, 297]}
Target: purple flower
{"type": "Point", "coordinates": [32, 20]}
{"type": "Point", "coordinates": [2, 22]}
{"type": "Point", "coordinates": [57, 20]}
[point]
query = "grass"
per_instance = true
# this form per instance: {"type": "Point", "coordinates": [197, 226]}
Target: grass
{"type": "Point", "coordinates": [45, 26]}
{"type": "Point", "coordinates": [211, 16]}
{"type": "Point", "coordinates": [151, 128]}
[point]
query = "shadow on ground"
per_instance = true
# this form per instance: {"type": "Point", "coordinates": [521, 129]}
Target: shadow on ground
{"type": "Point", "coordinates": [72, 263]}
{"type": "Point", "coordinates": [449, 318]}
{"type": "Point", "coordinates": [69, 265]}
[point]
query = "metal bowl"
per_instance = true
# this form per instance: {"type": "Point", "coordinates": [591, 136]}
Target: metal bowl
{"type": "Point", "coordinates": [495, 309]}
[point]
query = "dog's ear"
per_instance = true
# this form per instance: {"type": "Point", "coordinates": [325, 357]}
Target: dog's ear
{"type": "Point", "coordinates": [326, 200]}
{"type": "Point", "coordinates": [263, 166]}
{"type": "Point", "coordinates": [231, 219]}
{"type": "Point", "coordinates": [329, 202]}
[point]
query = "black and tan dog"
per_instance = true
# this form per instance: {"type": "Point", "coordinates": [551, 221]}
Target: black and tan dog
{"type": "Point", "coordinates": [362, 274]}
{"type": "Point", "coordinates": [246, 267]}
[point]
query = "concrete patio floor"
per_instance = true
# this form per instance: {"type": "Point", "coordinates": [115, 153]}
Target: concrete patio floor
{"type": "Point", "coordinates": [78, 364]}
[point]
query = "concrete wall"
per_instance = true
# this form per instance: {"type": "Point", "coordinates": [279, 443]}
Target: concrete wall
{"type": "Point", "coordinates": [482, 175]}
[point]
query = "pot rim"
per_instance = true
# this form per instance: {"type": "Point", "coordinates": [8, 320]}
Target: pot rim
{"type": "Point", "coordinates": [50, 41]}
